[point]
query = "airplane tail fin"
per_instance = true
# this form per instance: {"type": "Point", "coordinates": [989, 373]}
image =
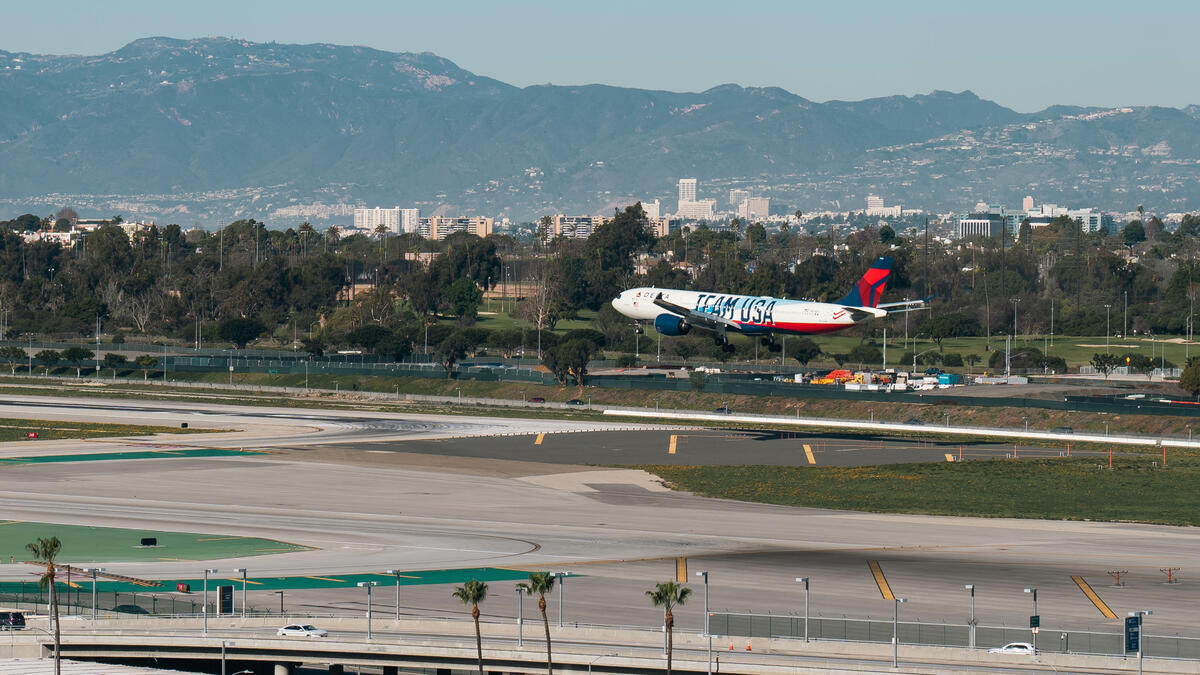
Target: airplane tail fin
{"type": "Point", "coordinates": [869, 289]}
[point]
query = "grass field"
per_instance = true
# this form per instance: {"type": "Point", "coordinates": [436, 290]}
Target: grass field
{"type": "Point", "coordinates": [1136, 489]}
{"type": "Point", "coordinates": [82, 544]}
{"type": "Point", "coordinates": [18, 429]}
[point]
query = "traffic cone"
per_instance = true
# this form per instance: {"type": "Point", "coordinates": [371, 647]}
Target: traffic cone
{"type": "Point", "coordinates": [748, 644]}
{"type": "Point", "coordinates": [730, 646]}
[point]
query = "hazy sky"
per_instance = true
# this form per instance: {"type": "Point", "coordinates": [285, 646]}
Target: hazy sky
{"type": "Point", "coordinates": [1022, 54]}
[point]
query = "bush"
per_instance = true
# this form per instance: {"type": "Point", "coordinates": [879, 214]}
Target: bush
{"type": "Point", "coordinates": [952, 361]}
{"type": "Point", "coordinates": [626, 361]}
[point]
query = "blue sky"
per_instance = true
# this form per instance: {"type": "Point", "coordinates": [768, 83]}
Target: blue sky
{"type": "Point", "coordinates": [1022, 54]}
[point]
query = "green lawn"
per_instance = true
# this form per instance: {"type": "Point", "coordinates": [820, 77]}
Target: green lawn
{"type": "Point", "coordinates": [18, 429]}
{"type": "Point", "coordinates": [86, 545]}
{"type": "Point", "coordinates": [1137, 489]}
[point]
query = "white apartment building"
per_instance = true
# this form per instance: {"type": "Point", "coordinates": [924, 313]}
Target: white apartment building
{"type": "Point", "coordinates": [754, 208]}
{"type": "Point", "coordinates": [703, 209]}
{"type": "Point", "coordinates": [687, 190]}
{"type": "Point", "coordinates": [573, 227]}
{"type": "Point", "coordinates": [369, 219]}
{"type": "Point", "coordinates": [736, 197]}
{"type": "Point", "coordinates": [875, 207]}
{"type": "Point", "coordinates": [653, 210]}
{"type": "Point", "coordinates": [410, 220]}
{"type": "Point", "coordinates": [442, 227]}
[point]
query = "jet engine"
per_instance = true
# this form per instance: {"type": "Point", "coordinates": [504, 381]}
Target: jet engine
{"type": "Point", "coordinates": [669, 324]}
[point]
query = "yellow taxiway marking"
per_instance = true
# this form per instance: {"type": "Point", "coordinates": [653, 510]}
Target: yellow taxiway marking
{"type": "Point", "coordinates": [949, 457]}
{"type": "Point", "coordinates": [674, 442]}
{"type": "Point", "coordinates": [327, 579]}
{"type": "Point", "coordinates": [1091, 595]}
{"type": "Point", "coordinates": [880, 580]}
{"type": "Point", "coordinates": [540, 438]}
{"type": "Point", "coordinates": [11, 522]}
{"type": "Point", "coordinates": [220, 539]}
{"type": "Point", "coordinates": [808, 453]}
{"type": "Point", "coordinates": [402, 576]}
{"type": "Point", "coordinates": [249, 581]}
{"type": "Point", "coordinates": [178, 559]}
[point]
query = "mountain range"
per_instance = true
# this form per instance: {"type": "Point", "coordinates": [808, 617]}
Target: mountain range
{"type": "Point", "coordinates": [217, 128]}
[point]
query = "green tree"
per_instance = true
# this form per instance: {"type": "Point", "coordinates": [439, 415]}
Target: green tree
{"type": "Point", "coordinates": [541, 584]}
{"type": "Point", "coordinates": [49, 358]}
{"type": "Point", "coordinates": [971, 359]}
{"type": "Point", "coordinates": [1134, 233]}
{"type": "Point", "coordinates": [368, 336]}
{"type": "Point", "coordinates": [804, 350]}
{"type": "Point", "coordinates": [472, 593]}
{"type": "Point", "coordinates": [76, 356]}
{"type": "Point", "coordinates": [1140, 363]}
{"type": "Point", "coordinates": [887, 234]}
{"type": "Point", "coordinates": [114, 360]}
{"type": "Point", "coordinates": [450, 351]}
{"type": "Point", "coordinates": [865, 353]}
{"type": "Point", "coordinates": [45, 552]}
{"type": "Point", "coordinates": [669, 595]}
{"type": "Point", "coordinates": [1189, 379]}
{"type": "Point", "coordinates": [240, 332]}
{"type": "Point", "coordinates": [464, 297]}
{"type": "Point", "coordinates": [14, 355]}
{"type": "Point", "coordinates": [146, 362]}
{"type": "Point", "coordinates": [1104, 363]}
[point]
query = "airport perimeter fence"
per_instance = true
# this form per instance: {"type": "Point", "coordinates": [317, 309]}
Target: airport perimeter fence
{"type": "Point", "coordinates": [735, 625]}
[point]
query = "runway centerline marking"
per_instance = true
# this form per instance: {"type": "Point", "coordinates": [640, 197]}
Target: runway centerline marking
{"type": "Point", "coordinates": [674, 442]}
{"type": "Point", "coordinates": [881, 581]}
{"type": "Point", "coordinates": [1091, 595]}
{"type": "Point", "coordinates": [808, 453]}
{"type": "Point", "coordinates": [540, 437]}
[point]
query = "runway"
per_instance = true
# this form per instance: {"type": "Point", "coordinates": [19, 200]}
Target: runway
{"type": "Point", "coordinates": [372, 492]}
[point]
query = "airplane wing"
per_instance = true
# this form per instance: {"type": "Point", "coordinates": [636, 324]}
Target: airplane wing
{"type": "Point", "coordinates": [698, 319]}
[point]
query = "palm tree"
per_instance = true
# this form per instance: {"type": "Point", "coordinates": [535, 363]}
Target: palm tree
{"type": "Point", "coordinates": [668, 595]}
{"type": "Point", "coordinates": [472, 593]}
{"type": "Point", "coordinates": [306, 230]}
{"type": "Point", "coordinates": [44, 551]}
{"type": "Point", "coordinates": [541, 583]}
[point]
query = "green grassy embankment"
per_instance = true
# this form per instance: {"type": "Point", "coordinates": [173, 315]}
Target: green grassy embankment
{"type": "Point", "coordinates": [1137, 489]}
{"type": "Point", "coordinates": [17, 429]}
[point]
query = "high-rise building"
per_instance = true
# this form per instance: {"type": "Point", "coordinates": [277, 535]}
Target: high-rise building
{"type": "Point", "coordinates": [874, 202]}
{"type": "Point", "coordinates": [687, 190]}
{"type": "Point", "coordinates": [736, 197]}
{"type": "Point", "coordinates": [1027, 203]}
{"type": "Point", "coordinates": [754, 208]}
{"type": "Point", "coordinates": [653, 210]}
{"type": "Point", "coordinates": [875, 207]}
{"type": "Point", "coordinates": [410, 220]}
{"type": "Point", "coordinates": [573, 227]}
{"type": "Point", "coordinates": [369, 219]}
{"type": "Point", "coordinates": [697, 210]}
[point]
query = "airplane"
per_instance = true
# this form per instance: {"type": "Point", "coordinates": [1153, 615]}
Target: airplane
{"type": "Point", "coordinates": [676, 312]}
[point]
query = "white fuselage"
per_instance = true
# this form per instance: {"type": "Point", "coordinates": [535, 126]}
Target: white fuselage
{"type": "Point", "coordinates": [751, 314]}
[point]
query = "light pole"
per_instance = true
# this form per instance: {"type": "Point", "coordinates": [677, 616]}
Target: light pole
{"type": "Point", "coordinates": [1033, 591]}
{"type": "Point", "coordinates": [204, 608]}
{"type": "Point", "coordinates": [562, 588]}
{"type": "Point", "coordinates": [1125, 323]}
{"type": "Point", "coordinates": [396, 573]}
{"type": "Point", "coordinates": [94, 570]}
{"type": "Point", "coordinates": [896, 632]}
{"type": "Point", "coordinates": [242, 571]}
{"type": "Point", "coordinates": [707, 616]}
{"type": "Point", "coordinates": [368, 585]}
{"type": "Point", "coordinates": [804, 580]}
{"type": "Point", "coordinates": [971, 621]}
{"type": "Point", "coordinates": [223, 645]}
{"type": "Point", "coordinates": [1014, 302]}
{"type": "Point", "coordinates": [1140, 614]}
{"type": "Point", "coordinates": [520, 616]}
{"type": "Point", "coordinates": [1107, 327]}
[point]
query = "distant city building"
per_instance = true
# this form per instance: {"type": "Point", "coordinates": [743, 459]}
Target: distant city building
{"type": "Point", "coordinates": [736, 197]}
{"type": "Point", "coordinates": [981, 224]}
{"type": "Point", "coordinates": [653, 210]}
{"type": "Point", "coordinates": [369, 219]}
{"type": "Point", "coordinates": [875, 207]}
{"type": "Point", "coordinates": [573, 227]}
{"type": "Point", "coordinates": [410, 220]}
{"type": "Point", "coordinates": [703, 209]}
{"type": "Point", "coordinates": [1027, 203]}
{"type": "Point", "coordinates": [440, 227]}
{"type": "Point", "coordinates": [687, 190]}
{"type": "Point", "coordinates": [754, 208]}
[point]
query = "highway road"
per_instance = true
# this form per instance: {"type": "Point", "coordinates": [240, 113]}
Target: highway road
{"type": "Point", "coordinates": [379, 491]}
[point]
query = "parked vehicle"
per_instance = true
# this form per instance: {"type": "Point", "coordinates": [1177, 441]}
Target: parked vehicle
{"type": "Point", "coordinates": [1013, 648]}
{"type": "Point", "coordinates": [12, 621]}
{"type": "Point", "coordinates": [302, 630]}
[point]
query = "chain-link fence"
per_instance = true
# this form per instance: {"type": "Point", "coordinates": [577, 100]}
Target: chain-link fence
{"type": "Point", "coordinates": [943, 635]}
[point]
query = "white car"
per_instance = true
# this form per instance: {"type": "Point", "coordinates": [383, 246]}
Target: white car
{"type": "Point", "coordinates": [302, 630]}
{"type": "Point", "coordinates": [1013, 648]}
